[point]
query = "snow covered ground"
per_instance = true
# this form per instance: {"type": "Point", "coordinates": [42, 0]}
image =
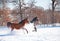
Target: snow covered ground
{"type": "Point", "coordinates": [44, 33]}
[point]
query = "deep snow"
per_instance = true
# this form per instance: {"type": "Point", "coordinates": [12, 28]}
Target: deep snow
{"type": "Point", "coordinates": [44, 33]}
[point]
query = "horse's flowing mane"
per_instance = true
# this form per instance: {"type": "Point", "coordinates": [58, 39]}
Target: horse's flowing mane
{"type": "Point", "coordinates": [22, 21]}
{"type": "Point", "coordinates": [34, 20]}
{"type": "Point", "coordinates": [8, 24]}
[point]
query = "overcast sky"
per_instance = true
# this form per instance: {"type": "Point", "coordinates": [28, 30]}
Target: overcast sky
{"type": "Point", "coordinates": [42, 3]}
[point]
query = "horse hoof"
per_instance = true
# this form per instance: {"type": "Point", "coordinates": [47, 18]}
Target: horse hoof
{"type": "Point", "coordinates": [34, 31]}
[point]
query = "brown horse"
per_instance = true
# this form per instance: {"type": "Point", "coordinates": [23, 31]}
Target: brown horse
{"type": "Point", "coordinates": [18, 25]}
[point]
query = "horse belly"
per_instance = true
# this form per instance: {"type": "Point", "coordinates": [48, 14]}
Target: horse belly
{"type": "Point", "coordinates": [18, 27]}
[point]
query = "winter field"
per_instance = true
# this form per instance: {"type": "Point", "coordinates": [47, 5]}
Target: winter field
{"type": "Point", "coordinates": [44, 33]}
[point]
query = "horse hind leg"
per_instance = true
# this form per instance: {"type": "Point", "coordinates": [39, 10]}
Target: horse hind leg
{"type": "Point", "coordinates": [25, 29]}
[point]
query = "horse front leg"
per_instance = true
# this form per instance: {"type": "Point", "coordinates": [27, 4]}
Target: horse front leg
{"type": "Point", "coordinates": [12, 29]}
{"type": "Point", "coordinates": [25, 29]}
{"type": "Point", "coordinates": [35, 29]}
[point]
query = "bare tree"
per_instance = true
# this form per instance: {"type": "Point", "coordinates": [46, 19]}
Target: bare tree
{"type": "Point", "coordinates": [54, 4]}
{"type": "Point", "coordinates": [20, 8]}
{"type": "Point", "coordinates": [31, 4]}
{"type": "Point", "coordinates": [53, 8]}
{"type": "Point", "coordinates": [21, 3]}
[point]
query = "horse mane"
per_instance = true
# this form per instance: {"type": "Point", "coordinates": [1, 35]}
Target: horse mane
{"type": "Point", "coordinates": [22, 21]}
{"type": "Point", "coordinates": [8, 23]}
{"type": "Point", "coordinates": [34, 19]}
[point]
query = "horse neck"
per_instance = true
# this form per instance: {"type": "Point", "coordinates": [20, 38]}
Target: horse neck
{"type": "Point", "coordinates": [26, 22]}
{"type": "Point", "coordinates": [33, 20]}
{"type": "Point", "coordinates": [23, 23]}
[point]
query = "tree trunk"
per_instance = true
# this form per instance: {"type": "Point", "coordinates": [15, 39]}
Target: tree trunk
{"type": "Point", "coordinates": [53, 8]}
{"type": "Point", "coordinates": [20, 8]}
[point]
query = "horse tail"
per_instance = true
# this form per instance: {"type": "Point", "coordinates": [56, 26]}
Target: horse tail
{"type": "Point", "coordinates": [8, 24]}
